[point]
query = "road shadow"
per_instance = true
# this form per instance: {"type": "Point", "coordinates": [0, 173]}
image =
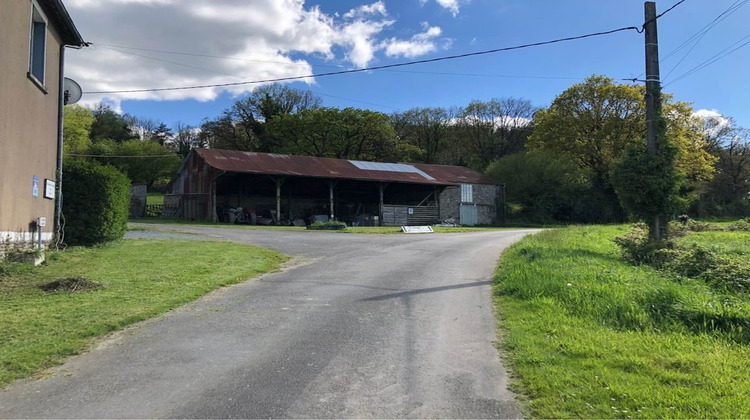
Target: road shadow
{"type": "Point", "coordinates": [428, 290]}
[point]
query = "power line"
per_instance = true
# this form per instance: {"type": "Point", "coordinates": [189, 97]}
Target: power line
{"type": "Point", "coordinates": [660, 15]}
{"type": "Point", "coordinates": [237, 77]}
{"type": "Point", "coordinates": [698, 36]}
{"type": "Point", "coordinates": [718, 56]}
{"type": "Point", "coordinates": [292, 63]}
{"type": "Point", "coordinates": [112, 48]}
{"type": "Point", "coordinates": [386, 66]}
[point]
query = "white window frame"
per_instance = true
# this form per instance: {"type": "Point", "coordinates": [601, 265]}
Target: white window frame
{"type": "Point", "coordinates": [36, 66]}
{"type": "Point", "coordinates": [467, 193]}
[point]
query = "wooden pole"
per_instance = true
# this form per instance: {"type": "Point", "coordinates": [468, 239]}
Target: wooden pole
{"type": "Point", "coordinates": [658, 223]}
{"type": "Point", "coordinates": [331, 185]}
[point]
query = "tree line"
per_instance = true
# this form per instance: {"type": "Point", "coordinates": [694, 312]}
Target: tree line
{"type": "Point", "coordinates": [559, 163]}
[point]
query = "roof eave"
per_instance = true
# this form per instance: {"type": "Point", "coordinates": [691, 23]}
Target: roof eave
{"type": "Point", "coordinates": [56, 11]}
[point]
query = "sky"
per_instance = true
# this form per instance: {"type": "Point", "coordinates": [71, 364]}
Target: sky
{"type": "Point", "coordinates": [146, 44]}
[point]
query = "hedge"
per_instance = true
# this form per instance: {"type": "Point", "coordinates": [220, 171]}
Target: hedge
{"type": "Point", "coordinates": [96, 200]}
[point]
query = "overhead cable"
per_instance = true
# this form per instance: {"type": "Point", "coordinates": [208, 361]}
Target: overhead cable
{"type": "Point", "coordinates": [365, 69]}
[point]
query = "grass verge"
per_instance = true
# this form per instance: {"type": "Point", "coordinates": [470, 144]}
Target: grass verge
{"type": "Point", "coordinates": [140, 279]}
{"type": "Point", "coordinates": [589, 336]}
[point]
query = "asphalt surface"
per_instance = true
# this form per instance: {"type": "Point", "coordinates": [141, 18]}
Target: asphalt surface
{"type": "Point", "coordinates": [365, 326]}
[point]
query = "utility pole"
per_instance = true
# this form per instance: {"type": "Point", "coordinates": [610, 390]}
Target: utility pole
{"type": "Point", "coordinates": [653, 87]}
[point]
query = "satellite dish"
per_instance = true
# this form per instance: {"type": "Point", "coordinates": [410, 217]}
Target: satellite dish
{"type": "Point", "coordinates": [73, 91]}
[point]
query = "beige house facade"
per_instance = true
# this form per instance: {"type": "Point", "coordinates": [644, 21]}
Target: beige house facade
{"type": "Point", "coordinates": [33, 34]}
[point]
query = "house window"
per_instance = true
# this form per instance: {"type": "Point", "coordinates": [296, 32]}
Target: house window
{"type": "Point", "coordinates": [38, 44]}
{"type": "Point", "coordinates": [467, 193]}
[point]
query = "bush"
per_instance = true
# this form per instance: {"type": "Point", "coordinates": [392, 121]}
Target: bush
{"type": "Point", "coordinates": [331, 225]}
{"type": "Point", "coordinates": [95, 203]}
{"type": "Point", "coordinates": [696, 262]}
{"type": "Point", "coordinates": [638, 248]}
{"type": "Point", "coordinates": [740, 225]}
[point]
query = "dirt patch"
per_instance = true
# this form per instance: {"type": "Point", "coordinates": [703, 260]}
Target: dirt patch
{"type": "Point", "coordinates": [71, 284]}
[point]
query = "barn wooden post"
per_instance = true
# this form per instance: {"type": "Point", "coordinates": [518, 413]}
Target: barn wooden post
{"type": "Point", "coordinates": [278, 181]}
{"type": "Point", "coordinates": [331, 186]}
{"type": "Point", "coordinates": [380, 208]}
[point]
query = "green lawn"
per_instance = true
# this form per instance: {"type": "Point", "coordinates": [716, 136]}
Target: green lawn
{"type": "Point", "coordinates": [140, 278]}
{"type": "Point", "coordinates": [587, 335]}
{"type": "Point", "coordinates": [154, 198]}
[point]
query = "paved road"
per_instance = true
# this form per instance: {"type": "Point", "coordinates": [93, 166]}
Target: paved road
{"type": "Point", "coordinates": [363, 326]}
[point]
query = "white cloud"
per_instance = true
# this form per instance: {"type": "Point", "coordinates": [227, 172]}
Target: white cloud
{"type": "Point", "coordinates": [451, 5]}
{"type": "Point", "coordinates": [713, 121]}
{"type": "Point", "coordinates": [419, 44]}
{"type": "Point", "coordinates": [221, 41]}
{"type": "Point", "coordinates": [367, 9]}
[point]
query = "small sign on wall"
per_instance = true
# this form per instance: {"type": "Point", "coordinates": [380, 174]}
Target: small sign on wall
{"type": "Point", "coordinates": [35, 186]}
{"type": "Point", "coordinates": [49, 189]}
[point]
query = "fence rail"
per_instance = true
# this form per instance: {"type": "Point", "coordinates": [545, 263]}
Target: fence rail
{"type": "Point", "coordinates": [154, 210]}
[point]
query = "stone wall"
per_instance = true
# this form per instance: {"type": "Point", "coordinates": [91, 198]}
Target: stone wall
{"type": "Point", "coordinates": [484, 196]}
{"type": "Point", "coordinates": [138, 200]}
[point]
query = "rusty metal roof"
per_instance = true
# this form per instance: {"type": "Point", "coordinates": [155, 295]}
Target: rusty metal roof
{"type": "Point", "coordinates": [317, 167]}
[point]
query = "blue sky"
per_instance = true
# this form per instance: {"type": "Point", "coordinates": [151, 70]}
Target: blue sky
{"type": "Point", "coordinates": [261, 39]}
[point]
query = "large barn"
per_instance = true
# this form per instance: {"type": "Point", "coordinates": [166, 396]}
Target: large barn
{"type": "Point", "coordinates": [250, 187]}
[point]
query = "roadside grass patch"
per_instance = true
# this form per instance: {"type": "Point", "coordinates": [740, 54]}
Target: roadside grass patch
{"type": "Point", "coordinates": [588, 335]}
{"type": "Point", "coordinates": [139, 279]}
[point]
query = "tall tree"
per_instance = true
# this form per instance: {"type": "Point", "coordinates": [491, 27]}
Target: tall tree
{"type": "Point", "coordinates": [76, 128]}
{"type": "Point", "coordinates": [243, 126]}
{"type": "Point", "coordinates": [109, 125]}
{"type": "Point", "coordinates": [425, 129]}
{"type": "Point", "coordinates": [594, 122]}
{"type": "Point", "coordinates": [186, 139]}
{"type": "Point", "coordinates": [729, 192]}
{"type": "Point", "coordinates": [348, 133]}
{"type": "Point", "coordinates": [495, 128]}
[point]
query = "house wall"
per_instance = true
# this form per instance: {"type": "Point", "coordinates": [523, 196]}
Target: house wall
{"type": "Point", "coordinates": [484, 196]}
{"type": "Point", "coordinates": [28, 124]}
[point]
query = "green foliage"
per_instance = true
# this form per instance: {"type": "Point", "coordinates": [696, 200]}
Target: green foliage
{"type": "Point", "coordinates": [161, 163]}
{"type": "Point", "coordinates": [243, 126]}
{"type": "Point", "coordinates": [589, 336]}
{"type": "Point", "coordinates": [719, 271]}
{"type": "Point", "coordinates": [638, 248]}
{"type": "Point", "coordinates": [330, 225]}
{"type": "Point", "coordinates": [96, 201]}
{"type": "Point", "coordinates": [599, 123]}
{"type": "Point", "coordinates": [141, 279]}
{"type": "Point", "coordinates": [545, 187]}
{"type": "Point", "coordinates": [109, 125]}
{"type": "Point", "coordinates": [347, 133]}
{"type": "Point", "coordinates": [76, 128]}
{"type": "Point", "coordinates": [740, 225]}
{"type": "Point", "coordinates": [646, 185]}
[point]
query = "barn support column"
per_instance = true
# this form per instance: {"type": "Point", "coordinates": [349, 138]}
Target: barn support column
{"type": "Point", "coordinates": [437, 201]}
{"type": "Point", "coordinates": [212, 198]}
{"type": "Point", "coordinates": [381, 187]}
{"type": "Point", "coordinates": [279, 181]}
{"type": "Point", "coordinates": [331, 186]}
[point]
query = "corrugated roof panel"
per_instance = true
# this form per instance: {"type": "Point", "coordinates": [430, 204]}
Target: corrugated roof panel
{"type": "Point", "coordinates": [308, 166]}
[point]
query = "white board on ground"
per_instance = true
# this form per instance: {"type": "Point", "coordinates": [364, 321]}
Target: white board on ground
{"type": "Point", "coordinates": [417, 229]}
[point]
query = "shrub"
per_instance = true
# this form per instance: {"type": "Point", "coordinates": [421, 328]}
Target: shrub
{"type": "Point", "coordinates": [95, 203]}
{"type": "Point", "coordinates": [740, 225]}
{"type": "Point", "coordinates": [696, 262]}
{"type": "Point", "coordinates": [638, 248]}
{"type": "Point", "coordinates": [331, 225]}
